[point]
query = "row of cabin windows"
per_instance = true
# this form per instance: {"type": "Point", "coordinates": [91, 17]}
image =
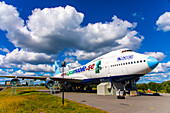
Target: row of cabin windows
{"type": "Point", "coordinates": [127, 63]}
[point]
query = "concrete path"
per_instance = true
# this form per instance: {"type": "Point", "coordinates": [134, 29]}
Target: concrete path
{"type": "Point", "coordinates": [136, 104]}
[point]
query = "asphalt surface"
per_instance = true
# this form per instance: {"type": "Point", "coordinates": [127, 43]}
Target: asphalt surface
{"type": "Point", "coordinates": [136, 104]}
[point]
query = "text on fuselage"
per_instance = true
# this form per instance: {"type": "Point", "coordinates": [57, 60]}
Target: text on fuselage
{"type": "Point", "coordinates": [127, 57]}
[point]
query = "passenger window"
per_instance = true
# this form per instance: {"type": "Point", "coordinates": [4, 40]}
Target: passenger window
{"type": "Point", "coordinates": [140, 61]}
{"type": "Point", "coordinates": [137, 61]}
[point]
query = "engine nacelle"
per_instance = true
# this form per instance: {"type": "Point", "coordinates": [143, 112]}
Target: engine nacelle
{"type": "Point", "coordinates": [49, 84]}
{"type": "Point", "coordinates": [14, 82]}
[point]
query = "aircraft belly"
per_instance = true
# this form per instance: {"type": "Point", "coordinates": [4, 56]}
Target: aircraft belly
{"type": "Point", "coordinates": [116, 78]}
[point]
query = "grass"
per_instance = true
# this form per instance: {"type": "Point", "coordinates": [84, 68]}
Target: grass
{"type": "Point", "coordinates": [27, 100]}
{"type": "Point", "coordinates": [146, 91]}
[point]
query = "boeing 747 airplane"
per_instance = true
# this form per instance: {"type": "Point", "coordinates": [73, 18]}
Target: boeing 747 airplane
{"type": "Point", "coordinates": [122, 66]}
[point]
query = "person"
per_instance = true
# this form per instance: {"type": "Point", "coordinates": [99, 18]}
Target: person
{"type": "Point", "coordinates": [148, 90]}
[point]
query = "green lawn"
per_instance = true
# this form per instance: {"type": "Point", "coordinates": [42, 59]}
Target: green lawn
{"type": "Point", "coordinates": [27, 100]}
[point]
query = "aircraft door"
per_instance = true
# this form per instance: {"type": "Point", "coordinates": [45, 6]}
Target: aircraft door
{"type": "Point", "coordinates": [107, 70]}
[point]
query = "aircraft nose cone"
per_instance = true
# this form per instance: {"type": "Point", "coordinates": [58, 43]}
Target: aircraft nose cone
{"type": "Point", "coordinates": [152, 62]}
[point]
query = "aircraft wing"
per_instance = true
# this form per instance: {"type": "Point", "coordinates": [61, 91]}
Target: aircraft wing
{"type": "Point", "coordinates": [45, 78]}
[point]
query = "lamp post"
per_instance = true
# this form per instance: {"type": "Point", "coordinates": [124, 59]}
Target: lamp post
{"type": "Point", "coordinates": [63, 64]}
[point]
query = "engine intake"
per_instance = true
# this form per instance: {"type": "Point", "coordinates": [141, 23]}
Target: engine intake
{"type": "Point", "coordinates": [14, 82]}
{"type": "Point", "coordinates": [49, 84]}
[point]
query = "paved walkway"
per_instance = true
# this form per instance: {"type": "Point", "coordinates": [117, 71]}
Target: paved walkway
{"type": "Point", "coordinates": [136, 104]}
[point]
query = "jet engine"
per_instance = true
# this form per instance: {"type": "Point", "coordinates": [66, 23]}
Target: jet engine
{"type": "Point", "coordinates": [49, 84]}
{"type": "Point", "coordinates": [14, 82]}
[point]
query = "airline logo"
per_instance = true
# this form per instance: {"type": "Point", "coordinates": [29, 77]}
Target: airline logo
{"type": "Point", "coordinates": [79, 70]}
{"type": "Point", "coordinates": [98, 67]}
{"type": "Point", "coordinates": [127, 57]}
{"type": "Point", "coordinates": [85, 68]}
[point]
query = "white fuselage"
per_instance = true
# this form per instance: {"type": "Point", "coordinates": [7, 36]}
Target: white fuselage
{"type": "Point", "coordinates": [120, 64]}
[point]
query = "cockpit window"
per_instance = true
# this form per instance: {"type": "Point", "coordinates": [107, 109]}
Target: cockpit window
{"type": "Point", "coordinates": [126, 51]}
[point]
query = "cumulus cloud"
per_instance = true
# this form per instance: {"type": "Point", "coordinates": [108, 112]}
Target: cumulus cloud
{"type": "Point", "coordinates": [158, 55]}
{"type": "Point", "coordinates": [159, 77]}
{"type": "Point", "coordinates": [72, 65]}
{"type": "Point", "coordinates": [51, 30]}
{"type": "Point", "coordinates": [2, 63]}
{"type": "Point", "coordinates": [9, 70]}
{"type": "Point", "coordinates": [29, 73]}
{"type": "Point", "coordinates": [160, 68]}
{"type": "Point", "coordinates": [70, 59]}
{"type": "Point", "coordinates": [4, 50]}
{"type": "Point", "coordinates": [21, 56]}
{"type": "Point", "coordinates": [163, 22]}
{"type": "Point", "coordinates": [130, 41]}
{"type": "Point", "coordinates": [2, 72]}
{"type": "Point", "coordinates": [38, 68]}
{"type": "Point", "coordinates": [19, 72]}
{"type": "Point", "coordinates": [159, 74]}
{"type": "Point", "coordinates": [18, 57]}
{"type": "Point", "coordinates": [82, 55]}
{"type": "Point", "coordinates": [168, 64]}
{"type": "Point", "coordinates": [22, 73]}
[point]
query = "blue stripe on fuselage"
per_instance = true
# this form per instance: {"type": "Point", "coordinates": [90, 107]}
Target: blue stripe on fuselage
{"type": "Point", "coordinates": [114, 78]}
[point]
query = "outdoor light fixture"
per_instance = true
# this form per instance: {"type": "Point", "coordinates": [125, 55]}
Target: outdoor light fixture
{"type": "Point", "coordinates": [63, 64]}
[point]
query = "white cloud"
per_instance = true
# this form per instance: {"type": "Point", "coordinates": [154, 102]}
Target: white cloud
{"type": "Point", "coordinates": [9, 70]}
{"type": "Point", "coordinates": [29, 73]}
{"type": "Point", "coordinates": [53, 29]}
{"type": "Point", "coordinates": [38, 68]}
{"type": "Point", "coordinates": [82, 55]}
{"type": "Point", "coordinates": [2, 63]}
{"type": "Point", "coordinates": [163, 22]}
{"type": "Point", "coordinates": [160, 68]}
{"type": "Point", "coordinates": [168, 64]}
{"type": "Point", "coordinates": [72, 65]}
{"type": "Point", "coordinates": [158, 55]}
{"type": "Point", "coordinates": [4, 50]}
{"type": "Point", "coordinates": [158, 77]}
{"type": "Point", "coordinates": [47, 74]}
{"type": "Point", "coordinates": [22, 73]}
{"type": "Point", "coordinates": [70, 59]}
{"type": "Point", "coordinates": [21, 56]}
{"type": "Point", "coordinates": [54, 20]}
{"type": "Point", "coordinates": [130, 41]}
{"type": "Point", "coordinates": [9, 17]}
{"type": "Point", "coordinates": [159, 74]}
{"type": "Point", "coordinates": [19, 72]}
{"type": "Point", "coordinates": [2, 72]}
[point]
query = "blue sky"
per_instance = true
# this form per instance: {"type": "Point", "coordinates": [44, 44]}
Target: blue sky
{"type": "Point", "coordinates": [34, 33]}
